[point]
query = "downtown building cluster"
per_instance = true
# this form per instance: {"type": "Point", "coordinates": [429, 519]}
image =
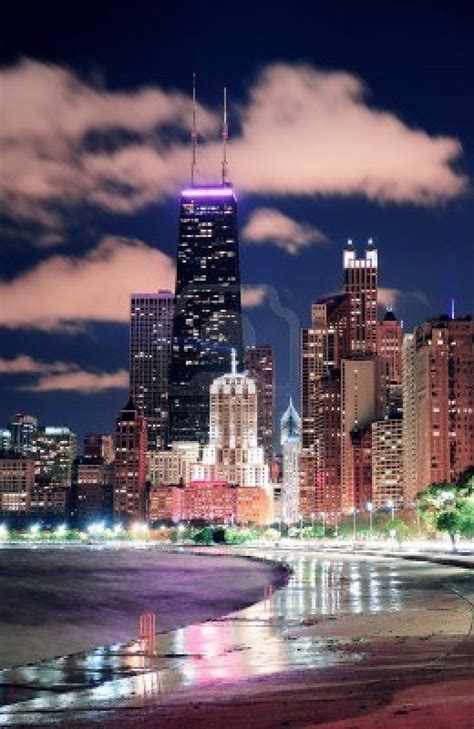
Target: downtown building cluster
{"type": "Point", "coordinates": [383, 414]}
{"type": "Point", "coordinates": [195, 440]}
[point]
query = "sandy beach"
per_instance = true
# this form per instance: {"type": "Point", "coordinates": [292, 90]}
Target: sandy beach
{"type": "Point", "coordinates": [351, 642]}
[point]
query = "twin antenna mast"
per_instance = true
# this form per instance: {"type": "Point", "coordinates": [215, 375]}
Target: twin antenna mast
{"type": "Point", "coordinates": [194, 138]}
{"type": "Point", "coordinates": [193, 134]}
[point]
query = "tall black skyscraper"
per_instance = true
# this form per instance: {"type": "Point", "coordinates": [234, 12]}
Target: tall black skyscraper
{"type": "Point", "coordinates": [207, 321]}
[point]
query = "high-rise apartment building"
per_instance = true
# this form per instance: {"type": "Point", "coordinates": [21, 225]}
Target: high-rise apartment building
{"type": "Point", "coordinates": [340, 377]}
{"type": "Point", "coordinates": [207, 321]}
{"type": "Point", "coordinates": [259, 364]}
{"type": "Point", "coordinates": [410, 448]}
{"type": "Point", "coordinates": [323, 345]}
{"type": "Point", "coordinates": [23, 428]}
{"type": "Point", "coordinates": [361, 285]}
{"type": "Point", "coordinates": [290, 429]}
{"type": "Point", "coordinates": [360, 406]}
{"type": "Point", "coordinates": [151, 326]}
{"type": "Point", "coordinates": [444, 393]}
{"type": "Point", "coordinates": [129, 499]}
{"type": "Point", "coordinates": [328, 467]}
{"type": "Point", "coordinates": [387, 463]}
{"type": "Point", "coordinates": [389, 350]}
{"type": "Point", "coordinates": [361, 463]}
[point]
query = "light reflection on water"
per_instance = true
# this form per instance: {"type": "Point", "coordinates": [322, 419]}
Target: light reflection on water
{"type": "Point", "coordinates": [250, 643]}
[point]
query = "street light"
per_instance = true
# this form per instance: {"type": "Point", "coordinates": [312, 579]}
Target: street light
{"type": "Point", "coordinates": [369, 507]}
{"type": "Point", "coordinates": [61, 530]}
{"type": "Point", "coordinates": [391, 506]}
{"type": "Point", "coordinates": [34, 529]}
{"type": "Point", "coordinates": [301, 526]}
{"type": "Point", "coordinates": [323, 514]}
{"type": "Point", "coordinates": [354, 522]}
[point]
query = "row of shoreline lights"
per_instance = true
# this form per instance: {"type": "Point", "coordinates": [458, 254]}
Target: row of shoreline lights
{"type": "Point", "coordinates": [97, 529]}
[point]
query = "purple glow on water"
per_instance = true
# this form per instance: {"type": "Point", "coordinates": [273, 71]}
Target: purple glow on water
{"type": "Point", "coordinates": [208, 192]}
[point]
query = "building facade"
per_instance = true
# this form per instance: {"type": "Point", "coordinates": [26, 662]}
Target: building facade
{"type": "Point", "coordinates": [91, 490]}
{"type": "Point", "coordinates": [361, 286]}
{"type": "Point", "coordinates": [233, 454]}
{"type": "Point", "coordinates": [389, 350]}
{"type": "Point", "coordinates": [444, 399]}
{"type": "Point", "coordinates": [129, 498]}
{"type": "Point", "coordinates": [323, 345]}
{"type": "Point", "coordinates": [361, 454]}
{"type": "Point", "coordinates": [17, 475]}
{"type": "Point", "coordinates": [360, 406]}
{"type": "Point", "coordinates": [259, 364]}
{"type": "Point", "coordinates": [23, 429]}
{"type": "Point", "coordinates": [99, 445]}
{"type": "Point", "coordinates": [410, 447]}
{"type": "Point", "coordinates": [175, 465]}
{"type": "Point", "coordinates": [53, 450]}
{"type": "Point", "coordinates": [151, 327]}
{"type": "Point", "coordinates": [207, 321]}
{"type": "Point", "coordinates": [290, 429]}
{"type": "Point", "coordinates": [387, 463]}
{"type": "Point", "coordinates": [5, 440]}
{"type": "Point", "coordinates": [165, 504]}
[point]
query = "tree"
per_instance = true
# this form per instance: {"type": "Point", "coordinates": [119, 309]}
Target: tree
{"type": "Point", "coordinates": [450, 507]}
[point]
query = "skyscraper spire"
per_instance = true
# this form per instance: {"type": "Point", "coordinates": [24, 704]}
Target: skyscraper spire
{"type": "Point", "coordinates": [233, 361]}
{"type": "Point", "coordinates": [193, 134]}
{"type": "Point", "coordinates": [225, 136]}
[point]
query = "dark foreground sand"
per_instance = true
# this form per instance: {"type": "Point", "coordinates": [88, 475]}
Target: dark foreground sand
{"type": "Point", "coordinates": [415, 670]}
{"type": "Point", "coordinates": [59, 601]}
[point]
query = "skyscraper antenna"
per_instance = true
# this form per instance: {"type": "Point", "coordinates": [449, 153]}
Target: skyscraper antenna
{"type": "Point", "coordinates": [452, 309]}
{"type": "Point", "coordinates": [233, 361]}
{"type": "Point", "coordinates": [225, 136]}
{"type": "Point", "coordinates": [193, 134]}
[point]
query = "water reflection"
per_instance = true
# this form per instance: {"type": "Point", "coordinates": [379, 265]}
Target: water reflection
{"type": "Point", "coordinates": [253, 642]}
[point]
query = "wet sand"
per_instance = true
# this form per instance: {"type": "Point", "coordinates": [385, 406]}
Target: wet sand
{"type": "Point", "coordinates": [350, 643]}
{"type": "Point", "coordinates": [57, 601]}
{"type": "Point", "coordinates": [414, 667]}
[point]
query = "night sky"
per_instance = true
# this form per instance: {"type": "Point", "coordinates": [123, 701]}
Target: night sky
{"type": "Point", "coordinates": [80, 218]}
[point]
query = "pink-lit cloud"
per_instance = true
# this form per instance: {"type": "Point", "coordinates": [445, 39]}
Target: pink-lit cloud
{"type": "Point", "coordinates": [253, 296]}
{"type": "Point", "coordinates": [81, 381]}
{"type": "Point", "coordinates": [23, 364]}
{"type": "Point", "coordinates": [302, 132]}
{"type": "Point", "coordinates": [52, 376]}
{"type": "Point", "coordinates": [63, 291]}
{"type": "Point", "coordinates": [47, 113]}
{"type": "Point", "coordinates": [268, 225]}
{"type": "Point", "coordinates": [390, 298]}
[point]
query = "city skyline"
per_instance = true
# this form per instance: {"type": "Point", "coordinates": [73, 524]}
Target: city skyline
{"type": "Point", "coordinates": [291, 231]}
